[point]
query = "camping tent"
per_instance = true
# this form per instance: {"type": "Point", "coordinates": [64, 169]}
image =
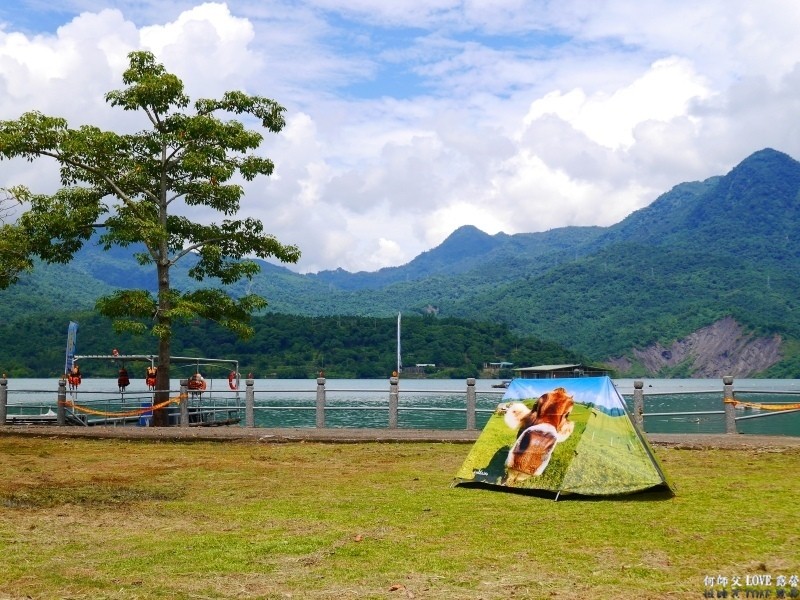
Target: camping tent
{"type": "Point", "coordinates": [564, 436]}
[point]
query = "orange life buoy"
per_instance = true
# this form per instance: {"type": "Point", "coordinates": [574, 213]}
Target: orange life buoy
{"type": "Point", "coordinates": [74, 377]}
{"type": "Point", "coordinates": [233, 380]}
{"type": "Point", "coordinates": [197, 383]}
{"type": "Point", "coordinates": [150, 377]}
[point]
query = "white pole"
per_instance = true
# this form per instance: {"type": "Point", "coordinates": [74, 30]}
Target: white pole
{"type": "Point", "coordinates": [399, 360]}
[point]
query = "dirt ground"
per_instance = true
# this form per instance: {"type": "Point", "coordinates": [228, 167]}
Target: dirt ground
{"type": "Point", "coordinates": [347, 435]}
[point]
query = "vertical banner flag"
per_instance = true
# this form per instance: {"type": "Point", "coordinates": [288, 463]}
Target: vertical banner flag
{"type": "Point", "coordinates": [72, 343]}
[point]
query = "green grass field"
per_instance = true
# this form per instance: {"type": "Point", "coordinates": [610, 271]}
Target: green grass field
{"type": "Point", "coordinates": [89, 519]}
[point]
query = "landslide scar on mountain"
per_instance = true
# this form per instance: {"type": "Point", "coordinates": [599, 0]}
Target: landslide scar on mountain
{"type": "Point", "coordinates": [722, 348]}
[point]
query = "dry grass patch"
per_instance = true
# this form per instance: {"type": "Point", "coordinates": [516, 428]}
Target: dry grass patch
{"type": "Point", "coordinates": [134, 519]}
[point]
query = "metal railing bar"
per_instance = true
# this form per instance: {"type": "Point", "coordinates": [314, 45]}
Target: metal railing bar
{"type": "Point", "coordinates": [683, 414]}
{"type": "Point", "coordinates": [773, 413]}
{"type": "Point", "coordinates": [768, 392]}
{"type": "Point", "coordinates": [680, 393]}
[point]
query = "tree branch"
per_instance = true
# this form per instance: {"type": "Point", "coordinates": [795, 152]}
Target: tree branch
{"type": "Point", "coordinates": [193, 247]}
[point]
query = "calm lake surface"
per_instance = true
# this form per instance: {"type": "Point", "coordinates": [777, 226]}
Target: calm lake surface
{"type": "Point", "coordinates": [430, 403]}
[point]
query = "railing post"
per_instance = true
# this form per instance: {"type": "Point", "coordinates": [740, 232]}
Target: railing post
{"type": "Point", "coordinates": [471, 403]}
{"type": "Point", "coordinates": [730, 409]}
{"type": "Point", "coordinates": [183, 402]}
{"type": "Point", "coordinates": [394, 400]}
{"type": "Point", "coordinates": [249, 404]}
{"type": "Point", "coordinates": [3, 399]}
{"type": "Point", "coordinates": [638, 404]}
{"type": "Point", "coordinates": [320, 402]}
{"type": "Point", "coordinates": [61, 409]}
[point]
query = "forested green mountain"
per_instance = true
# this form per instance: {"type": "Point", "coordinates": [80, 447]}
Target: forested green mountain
{"type": "Point", "coordinates": [724, 247]}
{"type": "Point", "coordinates": [284, 346]}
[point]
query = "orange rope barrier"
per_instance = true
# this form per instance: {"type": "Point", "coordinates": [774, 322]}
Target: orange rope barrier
{"type": "Point", "coordinates": [126, 413]}
{"type": "Point", "coordinates": [761, 406]}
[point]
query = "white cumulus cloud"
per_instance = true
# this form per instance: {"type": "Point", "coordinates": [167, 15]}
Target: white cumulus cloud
{"type": "Point", "coordinates": [406, 120]}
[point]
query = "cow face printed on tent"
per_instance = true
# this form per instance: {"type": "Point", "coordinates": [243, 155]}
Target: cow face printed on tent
{"type": "Point", "coordinates": [563, 436]}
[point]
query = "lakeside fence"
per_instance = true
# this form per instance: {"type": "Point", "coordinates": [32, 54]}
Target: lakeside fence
{"type": "Point", "coordinates": [730, 404]}
{"type": "Point", "coordinates": [189, 408]}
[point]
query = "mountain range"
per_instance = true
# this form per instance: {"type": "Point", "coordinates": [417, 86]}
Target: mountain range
{"type": "Point", "coordinates": [702, 282]}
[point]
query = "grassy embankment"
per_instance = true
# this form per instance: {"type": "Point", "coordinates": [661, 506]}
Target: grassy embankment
{"type": "Point", "coordinates": [121, 519]}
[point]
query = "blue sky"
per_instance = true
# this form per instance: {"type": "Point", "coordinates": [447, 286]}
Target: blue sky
{"type": "Point", "coordinates": [408, 119]}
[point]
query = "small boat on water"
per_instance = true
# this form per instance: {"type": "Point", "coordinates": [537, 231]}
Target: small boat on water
{"type": "Point", "coordinates": [502, 384]}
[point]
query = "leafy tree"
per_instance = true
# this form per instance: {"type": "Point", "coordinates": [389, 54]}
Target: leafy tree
{"type": "Point", "coordinates": [7, 203]}
{"type": "Point", "coordinates": [129, 185]}
{"type": "Point", "coordinates": [13, 257]}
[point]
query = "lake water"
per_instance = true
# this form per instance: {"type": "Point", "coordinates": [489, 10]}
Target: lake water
{"type": "Point", "coordinates": [430, 403]}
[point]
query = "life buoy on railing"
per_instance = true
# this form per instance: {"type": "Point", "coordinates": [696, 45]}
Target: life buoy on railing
{"type": "Point", "coordinates": [150, 377]}
{"type": "Point", "coordinates": [197, 383]}
{"type": "Point", "coordinates": [233, 380]}
{"type": "Point", "coordinates": [74, 377]}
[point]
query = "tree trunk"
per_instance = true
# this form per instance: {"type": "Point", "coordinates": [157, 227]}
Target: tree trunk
{"type": "Point", "coordinates": [161, 415]}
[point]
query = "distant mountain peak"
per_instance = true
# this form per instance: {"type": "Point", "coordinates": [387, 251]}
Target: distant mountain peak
{"type": "Point", "coordinates": [768, 154]}
{"type": "Point", "coordinates": [765, 178]}
{"type": "Point", "coordinates": [468, 230]}
{"type": "Point", "coordinates": [766, 160]}
{"type": "Point", "coordinates": [464, 242]}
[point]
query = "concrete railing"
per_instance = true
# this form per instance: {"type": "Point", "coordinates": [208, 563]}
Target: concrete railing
{"type": "Point", "coordinates": [729, 402]}
{"type": "Point", "coordinates": [322, 406]}
{"type": "Point", "coordinates": [64, 407]}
